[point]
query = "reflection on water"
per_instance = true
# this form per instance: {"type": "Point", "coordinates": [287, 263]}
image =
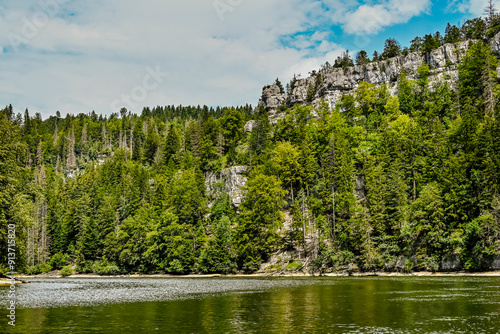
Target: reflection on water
{"type": "Point", "coordinates": [228, 305]}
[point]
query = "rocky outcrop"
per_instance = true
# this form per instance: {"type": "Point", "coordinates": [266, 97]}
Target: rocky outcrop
{"type": "Point", "coordinates": [335, 82]}
{"type": "Point", "coordinates": [451, 263]}
{"type": "Point", "coordinates": [272, 98]}
{"type": "Point", "coordinates": [495, 265]}
{"type": "Point", "coordinates": [229, 180]}
{"type": "Point", "coordinates": [249, 126]}
{"type": "Point", "coordinates": [359, 189]}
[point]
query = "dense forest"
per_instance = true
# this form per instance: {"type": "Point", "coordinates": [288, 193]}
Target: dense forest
{"type": "Point", "coordinates": [377, 179]}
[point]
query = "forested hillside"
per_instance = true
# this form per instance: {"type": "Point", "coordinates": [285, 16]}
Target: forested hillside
{"type": "Point", "coordinates": [404, 182]}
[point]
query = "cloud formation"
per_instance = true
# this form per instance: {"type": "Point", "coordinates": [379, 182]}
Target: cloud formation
{"type": "Point", "coordinates": [473, 7]}
{"type": "Point", "coordinates": [76, 56]}
{"type": "Point", "coordinates": [373, 17]}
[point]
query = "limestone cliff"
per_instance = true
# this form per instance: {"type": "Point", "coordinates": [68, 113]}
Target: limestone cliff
{"type": "Point", "coordinates": [334, 82]}
{"type": "Point", "coordinates": [230, 181]}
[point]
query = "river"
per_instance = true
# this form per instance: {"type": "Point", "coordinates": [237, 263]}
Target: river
{"type": "Point", "coordinates": [256, 305]}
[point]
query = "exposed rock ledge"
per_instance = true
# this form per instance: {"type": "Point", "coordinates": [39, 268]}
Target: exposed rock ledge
{"type": "Point", "coordinates": [442, 61]}
{"type": "Point", "coordinates": [229, 180]}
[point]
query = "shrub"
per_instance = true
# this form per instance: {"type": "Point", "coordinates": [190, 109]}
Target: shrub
{"type": "Point", "coordinates": [59, 260]}
{"type": "Point", "coordinates": [294, 266]}
{"type": "Point", "coordinates": [66, 271]}
{"type": "Point", "coordinates": [408, 266]}
{"type": "Point", "coordinates": [110, 269]}
{"type": "Point", "coordinates": [40, 268]}
{"type": "Point", "coordinates": [104, 268]}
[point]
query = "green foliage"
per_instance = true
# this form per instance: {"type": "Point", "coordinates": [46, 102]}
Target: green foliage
{"type": "Point", "coordinates": [295, 266]}
{"type": "Point", "coordinates": [105, 268]}
{"type": "Point", "coordinates": [41, 268]}
{"type": "Point", "coordinates": [232, 127]}
{"type": "Point", "coordinates": [478, 244]}
{"type": "Point", "coordinates": [474, 29]}
{"type": "Point", "coordinates": [58, 261]}
{"type": "Point", "coordinates": [311, 93]}
{"type": "Point", "coordinates": [286, 164]}
{"type": "Point", "coordinates": [362, 58]}
{"type": "Point", "coordinates": [219, 255]}
{"type": "Point", "coordinates": [431, 42]}
{"type": "Point", "coordinates": [260, 218]}
{"type": "Point", "coordinates": [332, 258]}
{"type": "Point", "coordinates": [259, 140]}
{"type": "Point", "coordinates": [392, 48]}
{"type": "Point", "coordinates": [452, 34]}
{"type": "Point", "coordinates": [383, 182]}
{"type": "Point", "coordinates": [344, 60]}
{"type": "Point", "coordinates": [280, 86]}
{"type": "Point", "coordinates": [67, 271]}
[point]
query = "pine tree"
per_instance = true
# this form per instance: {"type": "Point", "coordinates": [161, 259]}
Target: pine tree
{"type": "Point", "coordinates": [490, 12]}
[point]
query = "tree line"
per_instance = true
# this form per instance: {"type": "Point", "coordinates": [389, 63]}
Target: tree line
{"type": "Point", "coordinates": [377, 180]}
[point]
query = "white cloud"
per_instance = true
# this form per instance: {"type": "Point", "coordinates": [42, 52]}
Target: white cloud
{"type": "Point", "coordinates": [92, 53]}
{"type": "Point", "coordinates": [371, 19]}
{"type": "Point", "coordinates": [474, 7]}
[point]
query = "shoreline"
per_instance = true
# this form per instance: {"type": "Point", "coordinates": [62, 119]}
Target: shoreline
{"type": "Point", "coordinates": [271, 275]}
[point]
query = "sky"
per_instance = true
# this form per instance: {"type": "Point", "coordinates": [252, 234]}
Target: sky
{"type": "Point", "coordinates": [79, 56]}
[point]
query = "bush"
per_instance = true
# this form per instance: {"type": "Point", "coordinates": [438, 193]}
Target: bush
{"type": "Point", "coordinates": [66, 271]}
{"type": "Point", "coordinates": [294, 266]}
{"type": "Point", "coordinates": [59, 260]}
{"type": "Point", "coordinates": [251, 265]}
{"type": "Point", "coordinates": [88, 267]}
{"type": "Point", "coordinates": [40, 268]}
{"type": "Point", "coordinates": [408, 266]}
{"type": "Point", "coordinates": [176, 267]}
{"type": "Point", "coordinates": [334, 259]}
{"type": "Point", "coordinates": [105, 268]}
{"type": "Point", "coordinates": [110, 269]}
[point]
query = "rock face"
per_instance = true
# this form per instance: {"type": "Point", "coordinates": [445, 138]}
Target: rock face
{"type": "Point", "coordinates": [451, 263]}
{"type": "Point", "coordinates": [249, 126]}
{"type": "Point", "coordinates": [235, 179]}
{"type": "Point", "coordinates": [496, 263]}
{"type": "Point", "coordinates": [230, 181]}
{"type": "Point", "coordinates": [443, 63]}
{"type": "Point", "coordinates": [272, 98]}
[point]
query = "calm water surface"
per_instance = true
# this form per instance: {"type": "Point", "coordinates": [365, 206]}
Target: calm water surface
{"type": "Point", "coordinates": [257, 305]}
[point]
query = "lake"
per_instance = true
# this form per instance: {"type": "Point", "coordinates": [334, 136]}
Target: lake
{"type": "Point", "coordinates": [257, 305]}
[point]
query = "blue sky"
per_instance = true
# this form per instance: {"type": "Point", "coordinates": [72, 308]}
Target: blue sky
{"type": "Point", "coordinates": [76, 56]}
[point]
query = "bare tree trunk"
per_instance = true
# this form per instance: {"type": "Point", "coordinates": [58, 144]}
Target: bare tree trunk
{"type": "Point", "coordinates": [333, 213]}
{"type": "Point", "coordinates": [131, 141]}
{"type": "Point", "coordinates": [414, 187]}
{"type": "Point", "coordinates": [303, 226]}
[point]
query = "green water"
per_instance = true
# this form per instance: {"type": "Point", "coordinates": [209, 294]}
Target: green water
{"type": "Point", "coordinates": [299, 305]}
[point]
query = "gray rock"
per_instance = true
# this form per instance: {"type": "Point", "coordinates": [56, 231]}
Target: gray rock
{"type": "Point", "coordinates": [272, 98]}
{"type": "Point", "coordinates": [451, 263]}
{"type": "Point", "coordinates": [249, 126]}
{"type": "Point", "coordinates": [235, 179]}
{"type": "Point", "coordinates": [495, 44]}
{"type": "Point", "coordinates": [276, 117]}
{"type": "Point", "coordinates": [359, 189]}
{"type": "Point", "coordinates": [401, 263]}
{"type": "Point", "coordinates": [443, 63]}
{"type": "Point", "coordinates": [230, 181]}
{"type": "Point", "coordinates": [495, 265]}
